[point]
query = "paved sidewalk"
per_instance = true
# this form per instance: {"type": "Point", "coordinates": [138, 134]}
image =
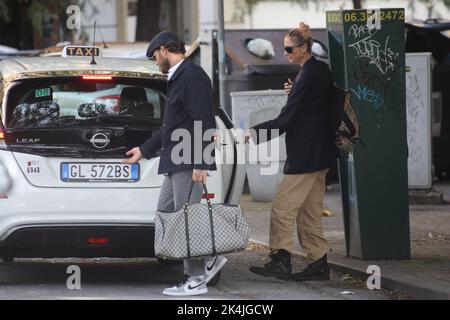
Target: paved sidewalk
{"type": "Point", "coordinates": [425, 276]}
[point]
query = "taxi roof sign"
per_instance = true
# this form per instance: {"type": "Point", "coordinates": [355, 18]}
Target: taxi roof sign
{"type": "Point", "coordinates": [81, 51]}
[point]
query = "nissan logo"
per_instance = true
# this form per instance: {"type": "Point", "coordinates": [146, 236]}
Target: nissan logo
{"type": "Point", "coordinates": [100, 140]}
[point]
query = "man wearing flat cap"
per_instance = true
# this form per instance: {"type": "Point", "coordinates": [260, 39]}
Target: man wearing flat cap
{"type": "Point", "coordinates": [189, 102]}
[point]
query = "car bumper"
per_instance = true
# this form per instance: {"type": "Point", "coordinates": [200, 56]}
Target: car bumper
{"type": "Point", "coordinates": [85, 241]}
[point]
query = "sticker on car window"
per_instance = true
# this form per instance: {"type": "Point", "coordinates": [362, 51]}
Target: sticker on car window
{"type": "Point", "coordinates": [42, 93]}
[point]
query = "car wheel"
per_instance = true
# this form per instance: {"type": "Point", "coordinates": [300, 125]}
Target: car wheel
{"type": "Point", "coordinates": [215, 280]}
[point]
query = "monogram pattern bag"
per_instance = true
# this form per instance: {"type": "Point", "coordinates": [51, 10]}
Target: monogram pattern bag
{"type": "Point", "coordinates": [345, 123]}
{"type": "Point", "coordinates": [199, 230]}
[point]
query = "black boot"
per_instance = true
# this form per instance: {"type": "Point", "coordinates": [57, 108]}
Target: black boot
{"type": "Point", "coordinates": [316, 271]}
{"type": "Point", "coordinates": [280, 266]}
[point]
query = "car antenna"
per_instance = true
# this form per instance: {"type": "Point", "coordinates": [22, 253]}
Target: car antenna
{"type": "Point", "coordinates": [93, 51]}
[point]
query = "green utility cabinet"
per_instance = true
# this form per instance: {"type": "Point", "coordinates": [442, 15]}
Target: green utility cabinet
{"type": "Point", "coordinates": [367, 56]}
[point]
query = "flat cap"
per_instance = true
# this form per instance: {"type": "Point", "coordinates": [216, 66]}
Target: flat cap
{"type": "Point", "coordinates": [162, 39]}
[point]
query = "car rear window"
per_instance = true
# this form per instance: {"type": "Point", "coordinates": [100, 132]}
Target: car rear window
{"type": "Point", "coordinates": [77, 102]}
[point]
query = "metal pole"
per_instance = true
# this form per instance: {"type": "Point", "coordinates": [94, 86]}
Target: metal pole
{"type": "Point", "coordinates": [222, 61]}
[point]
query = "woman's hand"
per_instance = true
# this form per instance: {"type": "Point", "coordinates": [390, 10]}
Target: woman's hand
{"type": "Point", "coordinates": [247, 136]}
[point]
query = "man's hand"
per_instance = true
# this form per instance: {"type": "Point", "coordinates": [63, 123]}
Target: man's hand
{"type": "Point", "coordinates": [247, 135]}
{"type": "Point", "coordinates": [288, 86]}
{"type": "Point", "coordinates": [199, 175]}
{"type": "Point", "coordinates": [135, 155]}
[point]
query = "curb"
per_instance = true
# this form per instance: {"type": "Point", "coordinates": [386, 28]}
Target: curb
{"type": "Point", "coordinates": [426, 197]}
{"type": "Point", "coordinates": [413, 291]}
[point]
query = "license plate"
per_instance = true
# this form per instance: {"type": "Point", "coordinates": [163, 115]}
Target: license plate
{"type": "Point", "coordinates": [99, 172]}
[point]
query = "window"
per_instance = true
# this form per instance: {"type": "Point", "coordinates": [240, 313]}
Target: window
{"type": "Point", "coordinates": [78, 103]}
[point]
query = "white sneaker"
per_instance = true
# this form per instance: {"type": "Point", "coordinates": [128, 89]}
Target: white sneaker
{"type": "Point", "coordinates": [191, 286]}
{"type": "Point", "coordinates": [213, 265]}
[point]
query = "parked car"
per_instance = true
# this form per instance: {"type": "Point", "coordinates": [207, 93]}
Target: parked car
{"type": "Point", "coordinates": [132, 50]}
{"type": "Point", "coordinates": [8, 52]}
{"type": "Point", "coordinates": [65, 128]}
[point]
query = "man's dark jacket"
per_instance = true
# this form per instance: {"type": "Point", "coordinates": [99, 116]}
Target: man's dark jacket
{"type": "Point", "coordinates": [189, 99]}
{"type": "Point", "coordinates": [306, 120]}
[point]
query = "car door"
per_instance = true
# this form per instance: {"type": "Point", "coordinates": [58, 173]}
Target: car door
{"type": "Point", "coordinates": [226, 184]}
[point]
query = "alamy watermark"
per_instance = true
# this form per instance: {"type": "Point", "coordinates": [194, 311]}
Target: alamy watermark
{"type": "Point", "coordinates": [74, 280]}
{"type": "Point", "coordinates": [373, 18]}
{"type": "Point", "coordinates": [374, 281]}
{"type": "Point", "coordinates": [74, 17]}
{"type": "Point", "coordinates": [218, 146]}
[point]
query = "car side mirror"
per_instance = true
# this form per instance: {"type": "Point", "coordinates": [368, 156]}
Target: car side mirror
{"type": "Point", "coordinates": [5, 179]}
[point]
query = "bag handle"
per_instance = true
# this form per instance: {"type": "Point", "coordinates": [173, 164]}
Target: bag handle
{"type": "Point", "coordinates": [191, 188]}
{"type": "Point", "coordinates": [210, 211]}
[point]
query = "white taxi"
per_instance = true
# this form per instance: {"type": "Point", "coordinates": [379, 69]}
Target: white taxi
{"type": "Point", "coordinates": [65, 126]}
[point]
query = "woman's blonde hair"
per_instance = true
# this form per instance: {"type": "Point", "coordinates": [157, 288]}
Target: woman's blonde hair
{"type": "Point", "coordinates": [301, 35]}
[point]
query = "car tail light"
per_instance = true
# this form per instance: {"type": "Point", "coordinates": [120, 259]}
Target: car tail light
{"type": "Point", "coordinates": [2, 131]}
{"type": "Point", "coordinates": [96, 77]}
{"type": "Point", "coordinates": [98, 241]}
{"type": "Point", "coordinates": [208, 196]}
{"type": "Point", "coordinates": [3, 196]}
{"type": "Point", "coordinates": [2, 137]}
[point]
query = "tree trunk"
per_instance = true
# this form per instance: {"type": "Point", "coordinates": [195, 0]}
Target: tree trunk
{"type": "Point", "coordinates": [357, 4]}
{"type": "Point", "coordinates": [147, 19]}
